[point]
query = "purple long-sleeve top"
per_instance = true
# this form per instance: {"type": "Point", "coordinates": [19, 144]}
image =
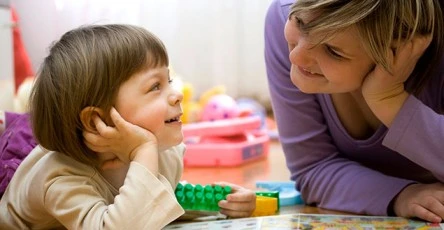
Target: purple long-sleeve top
{"type": "Point", "coordinates": [16, 142]}
{"type": "Point", "coordinates": [332, 169]}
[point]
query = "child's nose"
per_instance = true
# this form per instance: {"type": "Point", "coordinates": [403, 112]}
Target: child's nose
{"type": "Point", "coordinates": [176, 97]}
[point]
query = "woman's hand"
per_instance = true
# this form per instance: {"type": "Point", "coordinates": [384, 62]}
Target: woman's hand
{"type": "Point", "coordinates": [383, 91]}
{"type": "Point", "coordinates": [125, 140]}
{"type": "Point", "coordinates": [424, 201]}
{"type": "Point", "coordinates": [240, 203]}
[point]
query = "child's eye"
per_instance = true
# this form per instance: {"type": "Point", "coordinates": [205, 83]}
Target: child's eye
{"type": "Point", "coordinates": [155, 87]}
{"type": "Point", "coordinates": [170, 80]}
{"type": "Point", "coordinates": [332, 53]}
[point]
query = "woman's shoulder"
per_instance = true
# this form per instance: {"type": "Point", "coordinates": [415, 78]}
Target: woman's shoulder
{"type": "Point", "coordinates": [280, 8]}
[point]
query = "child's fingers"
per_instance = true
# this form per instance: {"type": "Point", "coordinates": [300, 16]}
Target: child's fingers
{"type": "Point", "coordinates": [103, 129]}
{"type": "Point", "coordinates": [94, 139]}
{"type": "Point", "coordinates": [247, 196]}
{"type": "Point", "coordinates": [237, 209]}
{"type": "Point", "coordinates": [118, 120]}
{"type": "Point", "coordinates": [234, 187]}
{"type": "Point", "coordinates": [239, 206]}
{"type": "Point", "coordinates": [96, 148]}
{"type": "Point", "coordinates": [235, 214]}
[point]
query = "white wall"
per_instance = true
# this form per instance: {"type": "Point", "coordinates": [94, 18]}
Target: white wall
{"type": "Point", "coordinates": [210, 42]}
{"type": "Point", "coordinates": [6, 59]}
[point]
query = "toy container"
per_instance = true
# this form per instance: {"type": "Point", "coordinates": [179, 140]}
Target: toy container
{"type": "Point", "coordinates": [227, 142]}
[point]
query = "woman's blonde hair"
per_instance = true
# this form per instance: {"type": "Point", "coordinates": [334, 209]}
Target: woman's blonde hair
{"type": "Point", "coordinates": [86, 67]}
{"type": "Point", "coordinates": [380, 24]}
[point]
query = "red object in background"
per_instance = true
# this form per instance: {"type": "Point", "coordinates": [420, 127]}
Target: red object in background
{"type": "Point", "coordinates": [22, 64]}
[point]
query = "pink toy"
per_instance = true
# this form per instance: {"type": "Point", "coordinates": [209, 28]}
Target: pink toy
{"type": "Point", "coordinates": [220, 107]}
{"type": "Point", "coordinates": [227, 142]}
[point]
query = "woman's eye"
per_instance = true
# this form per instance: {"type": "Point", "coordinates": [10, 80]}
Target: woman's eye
{"type": "Point", "coordinates": [299, 22]}
{"type": "Point", "coordinates": [300, 26]}
{"type": "Point", "coordinates": [332, 53]}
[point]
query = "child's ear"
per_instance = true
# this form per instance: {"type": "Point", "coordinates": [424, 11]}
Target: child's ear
{"type": "Point", "coordinates": [86, 117]}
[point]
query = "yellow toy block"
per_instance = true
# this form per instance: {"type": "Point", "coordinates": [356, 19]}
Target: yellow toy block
{"type": "Point", "coordinates": [265, 206]}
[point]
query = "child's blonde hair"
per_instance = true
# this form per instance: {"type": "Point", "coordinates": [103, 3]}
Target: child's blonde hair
{"type": "Point", "coordinates": [380, 23]}
{"type": "Point", "coordinates": [86, 67]}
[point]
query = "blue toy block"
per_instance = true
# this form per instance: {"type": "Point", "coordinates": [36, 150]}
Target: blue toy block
{"type": "Point", "coordinates": [288, 195]}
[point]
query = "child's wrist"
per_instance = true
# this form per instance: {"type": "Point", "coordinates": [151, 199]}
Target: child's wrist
{"type": "Point", "coordinates": [148, 156]}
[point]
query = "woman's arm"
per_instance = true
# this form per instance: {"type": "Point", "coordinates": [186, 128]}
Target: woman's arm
{"type": "Point", "coordinates": [417, 133]}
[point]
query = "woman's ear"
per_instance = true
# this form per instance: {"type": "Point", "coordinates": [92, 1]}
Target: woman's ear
{"type": "Point", "coordinates": [87, 117]}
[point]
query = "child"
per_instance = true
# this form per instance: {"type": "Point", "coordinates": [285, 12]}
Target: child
{"type": "Point", "coordinates": [110, 147]}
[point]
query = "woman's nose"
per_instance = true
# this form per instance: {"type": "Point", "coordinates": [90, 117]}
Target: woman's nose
{"type": "Point", "coordinates": [302, 53]}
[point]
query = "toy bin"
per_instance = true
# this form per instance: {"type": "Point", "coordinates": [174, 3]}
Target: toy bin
{"type": "Point", "coordinates": [228, 142]}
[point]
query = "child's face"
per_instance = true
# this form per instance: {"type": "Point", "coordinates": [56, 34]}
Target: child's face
{"type": "Point", "coordinates": [337, 66]}
{"type": "Point", "coordinates": [148, 100]}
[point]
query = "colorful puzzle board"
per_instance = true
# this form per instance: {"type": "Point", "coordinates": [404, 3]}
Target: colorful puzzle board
{"type": "Point", "coordinates": [312, 221]}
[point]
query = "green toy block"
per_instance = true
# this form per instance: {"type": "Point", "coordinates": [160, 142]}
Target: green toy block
{"type": "Point", "coordinates": [201, 198]}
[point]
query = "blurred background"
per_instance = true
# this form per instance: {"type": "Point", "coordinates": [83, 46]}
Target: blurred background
{"type": "Point", "coordinates": [210, 42]}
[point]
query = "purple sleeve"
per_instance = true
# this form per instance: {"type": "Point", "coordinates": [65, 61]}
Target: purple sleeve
{"type": "Point", "coordinates": [16, 142]}
{"type": "Point", "coordinates": [418, 133]}
{"type": "Point", "coordinates": [322, 175]}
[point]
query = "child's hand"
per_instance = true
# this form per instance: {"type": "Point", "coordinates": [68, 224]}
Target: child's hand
{"type": "Point", "coordinates": [424, 201]}
{"type": "Point", "coordinates": [124, 139]}
{"type": "Point", "coordinates": [240, 203]}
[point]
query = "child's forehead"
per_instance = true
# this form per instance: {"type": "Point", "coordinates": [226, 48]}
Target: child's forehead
{"type": "Point", "coordinates": [151, 72]}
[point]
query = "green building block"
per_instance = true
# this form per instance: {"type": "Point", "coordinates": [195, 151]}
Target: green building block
{"type": "Point", "coordinates": [201, 198]}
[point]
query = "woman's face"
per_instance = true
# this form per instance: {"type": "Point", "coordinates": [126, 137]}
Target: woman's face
{"type": "Point", "coordinates": [336, 66]}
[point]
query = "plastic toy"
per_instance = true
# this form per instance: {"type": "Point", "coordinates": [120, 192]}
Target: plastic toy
{"type": "Point", "coordinates": [254, 107]}
{"type": "Point", "coordinates": [288, 195]}
{"type": "Point", "coordinates": [192, 110]}
{"type": "Point", "coordinates": [201, 198]}
{"type": "Point", "coordinates": [227, 142]}
{"type": "Point", "coordinates": [220, 107]}
{"type": "Point", "coordinates": [266, 206]}
{"type": "Point", "coordinates": [273, 194]}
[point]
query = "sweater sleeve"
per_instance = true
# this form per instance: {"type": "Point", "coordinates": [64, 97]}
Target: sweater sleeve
{"type": "Point", "coordinates": [143, 202]}
{"type": "Point", "coordinates": [323, 176]}
{"type": "Point", "coordinates": [418, 133]}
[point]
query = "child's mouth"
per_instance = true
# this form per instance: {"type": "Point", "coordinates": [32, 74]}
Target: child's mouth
{"type": "Point", "coordinates": [175, 119]}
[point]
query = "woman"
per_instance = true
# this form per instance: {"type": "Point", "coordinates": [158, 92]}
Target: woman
{"type": "Point", "coordinates": [356, 88]}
